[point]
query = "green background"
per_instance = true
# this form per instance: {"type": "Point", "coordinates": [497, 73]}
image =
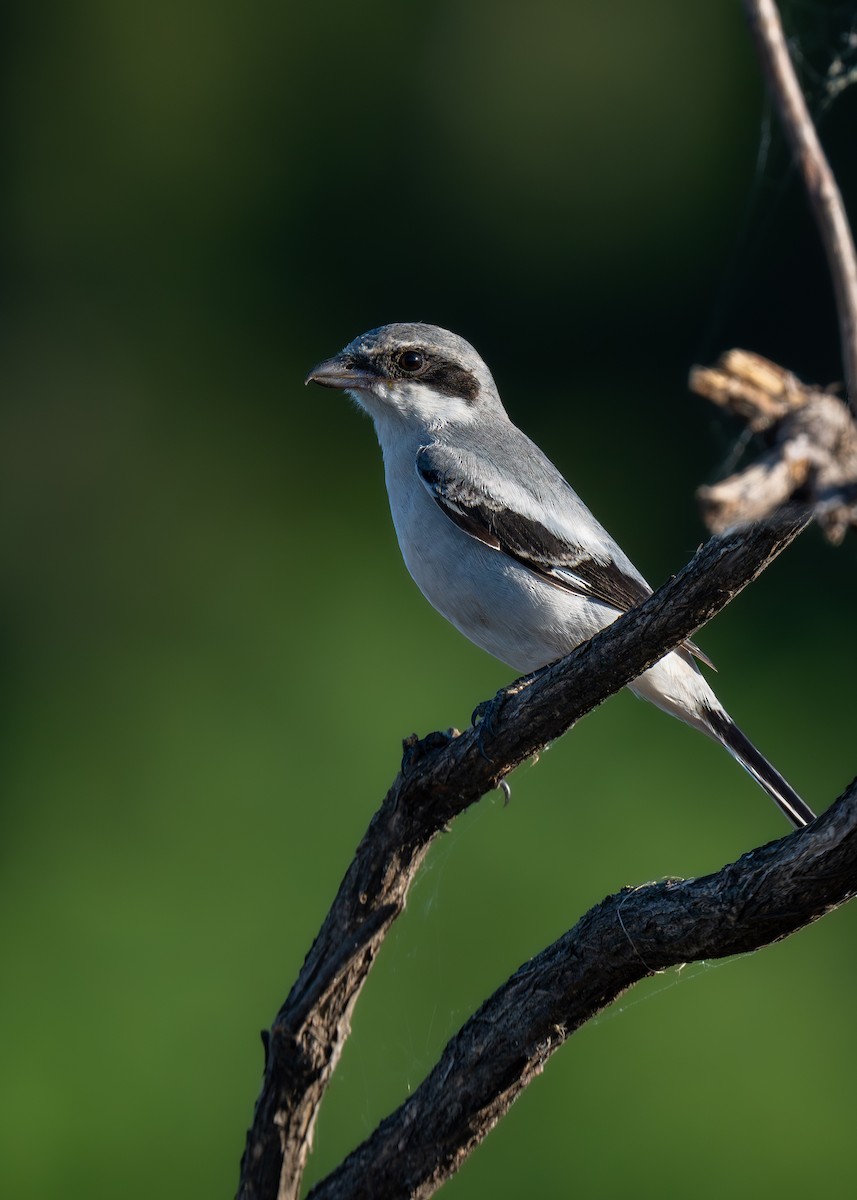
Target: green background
{"type": "Point", "coordinates": [211, 649]}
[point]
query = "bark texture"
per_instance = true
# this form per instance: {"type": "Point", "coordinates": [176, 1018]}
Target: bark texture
{"type": "Point", "coordinates": [764, 896]}
{"type": "Point", "coordinates": [442, 775]}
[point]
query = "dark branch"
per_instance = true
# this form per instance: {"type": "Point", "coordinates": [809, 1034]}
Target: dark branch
{"type": "Point", "coordinates": [818, 178]}
{"type": "Point", "coordinates": [441, 776]}
{"type": "Point", "coordinates": [766, 895]}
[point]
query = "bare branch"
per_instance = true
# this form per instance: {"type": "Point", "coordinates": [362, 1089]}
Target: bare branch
{"type": "Point", "coordinates": [812, 452]}
{"type": "Point", "coordinates": [818, 178]}
{"type": "Point", "coordinates": [766, 895]}
{"type": "Point", "coordinates": [441, 776]}
{"type": "Point", "coordinates": [753, 388]}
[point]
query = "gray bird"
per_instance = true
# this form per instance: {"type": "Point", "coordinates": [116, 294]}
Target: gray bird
{"type": "Point", "coordinates": [493, 535]}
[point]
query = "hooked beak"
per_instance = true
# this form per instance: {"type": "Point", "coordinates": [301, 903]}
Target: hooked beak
{"type": "Point", "coordinates": [340, 372]}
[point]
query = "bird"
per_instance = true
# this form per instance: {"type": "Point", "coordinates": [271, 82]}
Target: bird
{"type": "Point", "coordinates": [493, 535]}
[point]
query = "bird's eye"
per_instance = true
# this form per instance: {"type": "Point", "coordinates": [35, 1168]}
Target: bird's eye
{"type": "Point", "coordinates": [411, 361]}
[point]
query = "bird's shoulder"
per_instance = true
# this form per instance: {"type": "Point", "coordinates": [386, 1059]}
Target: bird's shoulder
{"type": "Point", "coordinates": [500, 488]}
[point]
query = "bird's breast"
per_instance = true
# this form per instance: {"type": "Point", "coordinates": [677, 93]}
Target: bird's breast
{"type": "Point", "coordinates": [494, 600]}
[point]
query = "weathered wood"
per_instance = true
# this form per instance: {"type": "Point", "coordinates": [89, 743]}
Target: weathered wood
{"type": "Point", "coordinates": [764, 896]}
{"type": "Point", "coordinates": [812, 452]}
{"type": "Point", "coordinates": [441, 776]}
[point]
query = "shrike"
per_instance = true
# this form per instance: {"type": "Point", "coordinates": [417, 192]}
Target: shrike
{"type": "Point", "coordinates": [493, 535]}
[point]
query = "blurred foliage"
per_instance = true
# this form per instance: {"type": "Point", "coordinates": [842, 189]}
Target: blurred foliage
{"type": "Point", "coordinates": [211, 648]}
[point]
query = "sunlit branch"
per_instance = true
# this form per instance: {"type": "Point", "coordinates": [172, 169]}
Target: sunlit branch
{"type": "Point", "coordinates": [818, 178]}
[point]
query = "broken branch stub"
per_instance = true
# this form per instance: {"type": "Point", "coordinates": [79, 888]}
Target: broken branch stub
{"type": "Point", "coordinates": [811, 453]}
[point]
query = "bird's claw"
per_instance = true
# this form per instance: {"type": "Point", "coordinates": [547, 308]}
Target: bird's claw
{"type": "Point", "coordinates": [483, 722]}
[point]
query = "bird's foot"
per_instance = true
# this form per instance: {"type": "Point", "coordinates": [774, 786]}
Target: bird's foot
{"type": "Point", "coordinates": [483, 719]}
{"type": "Point", "coordinates": [485, 714]}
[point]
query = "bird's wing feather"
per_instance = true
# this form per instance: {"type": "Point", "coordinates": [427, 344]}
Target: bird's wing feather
{"type": "Point", "coordinates": [511, 526]}
{"type": "Point", "coordinates": [533, 530]}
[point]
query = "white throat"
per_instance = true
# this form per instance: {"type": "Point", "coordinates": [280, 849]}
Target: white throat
{"type": "Point", "coordinates": [407, 405]}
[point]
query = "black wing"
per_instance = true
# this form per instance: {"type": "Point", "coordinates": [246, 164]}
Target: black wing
{"type": "Point", "coordinates": [527, 540]}
{"type": "Point", "coordinates": [549, 555]}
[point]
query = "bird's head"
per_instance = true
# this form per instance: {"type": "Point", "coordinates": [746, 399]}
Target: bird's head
{"type": "Point", "coordinates": [412, 374]}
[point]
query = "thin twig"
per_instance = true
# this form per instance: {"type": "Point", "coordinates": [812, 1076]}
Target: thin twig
{"type": "Point", "coordinates": [440, 777]}
{"type": "Point", "coordinates": [818, 178]}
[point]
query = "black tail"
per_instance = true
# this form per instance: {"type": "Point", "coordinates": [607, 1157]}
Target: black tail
{"type": "Point", "coordinates": [768, 777]}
